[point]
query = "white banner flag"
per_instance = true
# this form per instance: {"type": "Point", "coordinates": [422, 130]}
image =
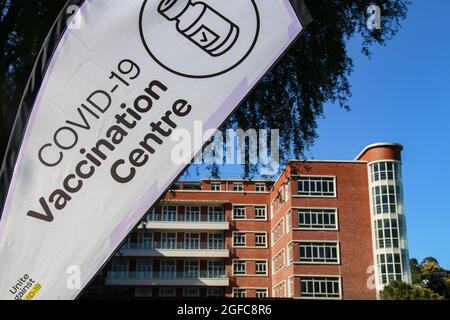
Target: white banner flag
{"type": "Point", "coordinates": [91, 149]}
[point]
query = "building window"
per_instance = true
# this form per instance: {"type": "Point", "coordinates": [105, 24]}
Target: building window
{"type": "Point", "coordinates": [216, 214]}
{"type": "Point", "coordinates": [319, 252]}
{"type": "Point", "coordinates": [386, 233]}
{"type": "Point", "coordinates": [192, 214]}
{"type": "Point", "coordinates": [191, 269]}
{"type": "Point", "coordinates": [318, 219]}
{"type": "Point", "coordinates": [279, 290]}
{"type": "Point", "coordinates": [192, 241]}
{"type": "Point", "coordinates": [239, 239]}
{"type": "Point", "coordinates": [260, 213]}
{"type": "Point", "coordinates": [278, 261]}
{"type": "Point", "coordinates": [239, 293]}
{"type": "Point", "coordinates": [167, 292]}
{"type": "Point", "coordinates": [261, 293]}
{"type": "Point", "coordinates": [215, 186]}
{"type": "Point", "coordinates": [389, 267]}
{"type": "Point", "coordinates": [238, 186]}
{"type": "Point", "coordinates": [168, 269]}
{"type": "Point", "coordinates": [260, 186]}
{"type": "Point", "coordinates": [168, 240]}
{"type": "Point", "coordinates": [169, 213]}
{"type": "Point", "coordinates": [239, 267]}
{"type": "Point", "coordinates": [261, 240]}
{"type": "Point", "coordinates": [239, 212]}
{"type": "Point", "coordinates": [120, 269]}
{"type": "Point", "coordinates": [216, 241]}
{"type": "Point", "coordinates": [278, 231]}
{"type": "Point", "coordinates": [216, 292]}
{"type": "Point", "coordinates": [216, 269]}
{"type": "Point", "coordinates": [261, 267]}
{"type": "Point", "coordinates": [320, 287]}
{"type": "Point", "coordinates": [144, 269]}
{"type": "Point", "coordinates": [290, 292]}
{"type": "Point", "coordinates": [290, 256]}
{"type": "Point", "coordinates": [383, 171]}
{"type": "Point", "coordinates": [143, 292]}
{"type": "Point", "coordinates": [145, 240]}
{"type": "Point", "coordinates": [316, 186]}
{"type": "Point", "coordinates": [191, 292]}
{"type": "Point", "coordinates": [385, 198]}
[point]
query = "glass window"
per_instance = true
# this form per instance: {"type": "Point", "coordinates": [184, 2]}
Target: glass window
{"type": "Point", "coordinates": [239, 293]}
{"type": "Point", "coordinates": [192, 214]}
{"type": "Point", "coordinates": [168, 269]}
{"type": "Point", "coordinates": [239, 239]}
{"type": "Point", "coordinates": [168, 240]}
{"type": "Point", "coordinates": [239, 267]}
{"type": "Point", "coordinates": [261, 293]}
{"type": "Point", "coordinates": [260, 213]}
{"type": "Point", "coordinates": [238, 186]}
{"type": "Point", "coordinates": [169, 213]}
{"type": "Point", "coordinates": [192, 241]}
{"type": "Point", "coordinates": [318, 219]}
{"type": "Point", "coordinates": [261, 267]}
{"type": "Point", "coordinates": [143, 292]}
{"type": "Point", "coordinates": [216, 241]}
{"type": "Point", "coordinates": [191, 292]}
{"type": "Point", "coordinates": [316, 186]}
{"type": "Point", "coordinates": [260, 186]}
{"type": "Point", "coordinates": [216, 292]}
{"type": "Point", "coordinates": [166, 292]}
{"type": "Point", "coordinates": [216, 214]}
{"type": "Point", "coordinates": [215, 186]}
{"type": "Point", "coordinates": [145, 240]}
{"type": "Point", "coordinates": [144, 269]}
{"type": "Point", "coordinates": [191, 269]}
{"type": "Point", "coordinates": [261, 240]}
{"type": "Point", "coordinates": [216, 268]}
{"type": "Point", "coordinates": [319, 252]}
{"type": "Point", "coordinates": [320, 287]}
{"type": "Point", "coordinates": [238, 212]}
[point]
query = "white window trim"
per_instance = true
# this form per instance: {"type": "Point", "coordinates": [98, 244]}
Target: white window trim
{"type": "Point", "coordinates": [283, 228]}
{"type": "Point", "coordinates": [245, 239]}
{"type": "Point", "coordinates": [320, 276]}
{"type": "Point", "coordinates": [284, 261]}
{"type": "Point", "coordinates": [318, 208]}
{"type": "Point", "coordinates": [338, 248]}
{"type": "Point", "coordinates": [245, 212]}
{"type": "Point", "coordinates": [279, 284]}
{"type": "Point", "coordinates": [318, 176]}
{"type": "Point", "coordinates": [267, 268]}
{"type": "Point", "coordinates": [239, 274]}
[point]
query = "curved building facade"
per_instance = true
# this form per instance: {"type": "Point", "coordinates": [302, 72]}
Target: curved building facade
{"type": "Point", "coordinates": [389, 235]}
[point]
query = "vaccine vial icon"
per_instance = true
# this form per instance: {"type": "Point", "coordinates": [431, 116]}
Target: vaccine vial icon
{"type": "Point", "coordinates": [201, 24]}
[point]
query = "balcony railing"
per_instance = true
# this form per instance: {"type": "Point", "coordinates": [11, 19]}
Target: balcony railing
{"type": "Point", "coordinates": [174, 246]}
{"type": "Point", "coordinates": [185, 218]}
{"type": "Point", "coordinates": [167, 275]}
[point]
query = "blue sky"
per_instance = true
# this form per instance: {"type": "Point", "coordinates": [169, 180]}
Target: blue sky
{"type": "Point", "coordinates": [401, 95]}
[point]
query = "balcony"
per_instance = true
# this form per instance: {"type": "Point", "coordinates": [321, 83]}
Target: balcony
{"type": "Point", "coordinates": [175, 249]}
{"type": "Point", "coordinates": [185, 222]}
{"type": "Point", "coordinates": [195, 278]}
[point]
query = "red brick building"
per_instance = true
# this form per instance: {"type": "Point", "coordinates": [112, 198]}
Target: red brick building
{"type": "Point", "coordinates": [322, 230]}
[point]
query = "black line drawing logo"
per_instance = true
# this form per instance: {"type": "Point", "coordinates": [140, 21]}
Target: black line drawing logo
{"type": "Point", "coordinates": [201, 24]}
{"type": "Point", "coordinates": [199, 38]}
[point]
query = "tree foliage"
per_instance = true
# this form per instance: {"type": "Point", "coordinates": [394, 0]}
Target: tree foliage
{"type": "Point", "coordinates": [291, 97]}
{"type": "Point", "coordinates": [429, 274]}
{"type": "Point", "coordinates": [397, 290]}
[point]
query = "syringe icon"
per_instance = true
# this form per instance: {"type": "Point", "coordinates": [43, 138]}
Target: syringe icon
{"type": "Point", "coordinates": [201, 24]}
